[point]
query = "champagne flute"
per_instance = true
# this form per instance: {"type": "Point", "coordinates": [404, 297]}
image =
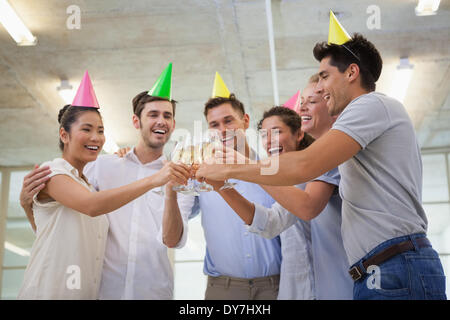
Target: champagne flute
{"type": "Point", "coordinates": [204, 152]}
{"type": "Point", "coordinates": [187, 157]}
{"type": "Point", "coordinates": [174, 155]}
{"type": "Point", "coordinates": [227, 184]}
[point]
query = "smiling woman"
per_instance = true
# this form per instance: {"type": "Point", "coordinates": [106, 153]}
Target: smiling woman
{"type": "Point", "coordinates": [289, 136]}
{"type": "Point", "coordinates": [68, 115]}
{"type": "Point", "coordinates": [56, 217]}
{"type": "Point", "coordinates": [81, 134]}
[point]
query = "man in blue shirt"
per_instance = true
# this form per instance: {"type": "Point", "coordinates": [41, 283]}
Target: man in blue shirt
{"type": "Point", "coordinates": [239, 264]}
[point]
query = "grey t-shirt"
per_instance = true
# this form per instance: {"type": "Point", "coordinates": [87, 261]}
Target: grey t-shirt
{"type": "Point", "coordinates": [381, 186]}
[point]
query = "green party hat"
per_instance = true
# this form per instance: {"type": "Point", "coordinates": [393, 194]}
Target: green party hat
{"type": "Point", "coordinates": [162, 87]}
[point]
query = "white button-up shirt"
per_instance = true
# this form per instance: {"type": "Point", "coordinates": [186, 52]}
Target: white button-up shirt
{"type": "Point", "coordinates": [67, 256]}
{"type": "Point", "coordinates": [136, 263]}
{"type": "Point", "coordinates": [296, 274]}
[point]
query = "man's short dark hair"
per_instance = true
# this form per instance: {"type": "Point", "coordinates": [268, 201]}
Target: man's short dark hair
{"type": "Point", "coordinates": [370, 62]}
{"type": "Point", "coordinates": [142, 98]}
{"type": "Point", "coordinates": [214, 102]}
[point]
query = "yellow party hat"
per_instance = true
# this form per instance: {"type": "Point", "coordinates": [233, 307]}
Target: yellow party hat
{"type": "Point", "coordinates": [220, 89]}
{"type": "Point", "coordinates": [337, 33]}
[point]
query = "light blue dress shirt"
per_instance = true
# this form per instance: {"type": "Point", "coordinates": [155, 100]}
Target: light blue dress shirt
{"type": "Point", "coordinates": [231, 250]}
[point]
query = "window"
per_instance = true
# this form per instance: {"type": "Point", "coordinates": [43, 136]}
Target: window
{"type": "Point", "coordinates": [190, 282]}
{"type": "Point", "coordinates": [18, 235]}
{"type": "Point", "coordinates": [436, 203]}
{"type": "Point", "coordinates": [435, 184]}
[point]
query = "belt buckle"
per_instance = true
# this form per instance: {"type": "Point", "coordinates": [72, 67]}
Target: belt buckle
{"type": "Point", "coordinates": [355, 273]}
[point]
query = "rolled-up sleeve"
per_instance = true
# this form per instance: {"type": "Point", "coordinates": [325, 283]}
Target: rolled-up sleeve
{"type": "Point", "coordinates": [270, 222]}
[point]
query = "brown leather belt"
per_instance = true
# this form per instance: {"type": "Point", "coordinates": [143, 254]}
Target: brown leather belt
{"type": "Point", "coordinates": [356, 272]}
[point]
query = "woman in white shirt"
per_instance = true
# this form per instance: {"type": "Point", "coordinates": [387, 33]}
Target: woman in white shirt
{"type": "Point", "coordinates": [67, 256]}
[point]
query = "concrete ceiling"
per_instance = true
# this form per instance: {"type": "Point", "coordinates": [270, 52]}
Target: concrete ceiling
{"type": "Point", "coordinates": [126, 44]}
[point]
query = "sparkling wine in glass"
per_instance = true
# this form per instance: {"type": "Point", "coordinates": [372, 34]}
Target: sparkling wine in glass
{"type": "Point", "coordinates": [227, 184]}
{"type": "Point", "coordinates": [187, 157]}
{"type": "Point", "coordinates": [205, 151]}
{"type": "Point", "coordinates": [177, 157]}
{"type": "Point", "coordinates": [174, 155]}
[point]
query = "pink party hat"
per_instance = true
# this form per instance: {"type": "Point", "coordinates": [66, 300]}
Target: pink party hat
{"type": "Point", "coordinates": [85, 96]}
{"type": "Point", "coordinates": [292, 102]}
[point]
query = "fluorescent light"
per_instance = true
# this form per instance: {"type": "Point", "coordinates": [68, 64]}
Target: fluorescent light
{"type": "Point", "coordinates": [16, 28]}
{"type": "Point", "coordinates": [427, 7]}
{"type": "Point", "coordinates": [110, 145]}
{"type": "Point", "coordinates": [17, 250]}
{"type": "Point", "coordinates": [66, 91]}
{"type": "Point", "coordinates": [402, 79]}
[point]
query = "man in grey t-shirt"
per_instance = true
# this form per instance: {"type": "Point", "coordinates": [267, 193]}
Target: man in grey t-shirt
{"type": "Point", "coordinates": [380, 185]}
{"type": "Point", "coordinates": [373, 142]}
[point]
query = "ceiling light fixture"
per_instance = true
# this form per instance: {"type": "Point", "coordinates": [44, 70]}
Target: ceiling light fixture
{"type": "Point", "coordinates": [66, 91]}
{"type": "Point", "coordinates": [14, 25]}
{"type": "Point", "coordinates": [427, 7]}
{"type": "Point", "coordinates": [402, 79]}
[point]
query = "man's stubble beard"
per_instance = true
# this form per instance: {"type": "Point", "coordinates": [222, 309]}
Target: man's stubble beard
{"type": "Point", "coordinates": [151, 145]}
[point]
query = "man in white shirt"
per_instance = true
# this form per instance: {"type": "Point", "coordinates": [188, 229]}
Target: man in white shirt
{"type": "Point", "coordinates": [136, 264]}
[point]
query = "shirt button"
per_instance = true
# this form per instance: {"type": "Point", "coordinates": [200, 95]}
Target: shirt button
{"type": "Point", "coordinates": [246, 233]}
{"type": "Point", "coordinates": [248, 255]}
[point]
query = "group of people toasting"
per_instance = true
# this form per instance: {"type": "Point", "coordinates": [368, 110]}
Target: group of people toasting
{"type": "Point", "coordinates": [341, 218]}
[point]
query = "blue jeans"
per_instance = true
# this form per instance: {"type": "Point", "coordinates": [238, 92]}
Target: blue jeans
{"type": "Point", "coordinates": [412, 275]}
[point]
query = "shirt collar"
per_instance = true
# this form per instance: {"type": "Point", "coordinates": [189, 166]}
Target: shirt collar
{"type": "Point", "coordinates": [69, 167]}
{"type": "Point", "coordinates": [131, 155]}
{"type": "Point", "coordinates": [66, 164]}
